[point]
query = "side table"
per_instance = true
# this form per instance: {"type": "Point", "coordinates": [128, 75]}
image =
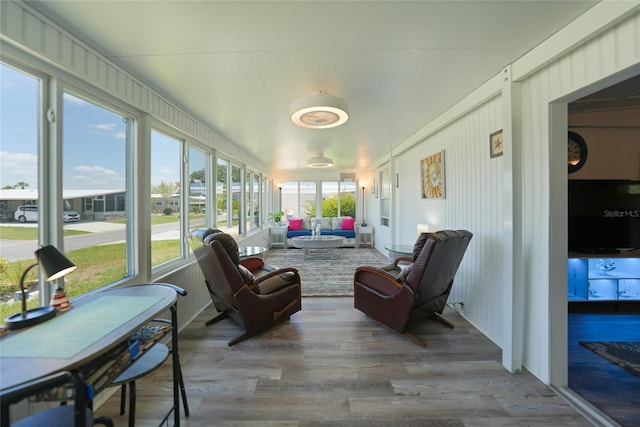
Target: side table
{"type": "Point", "coordinates": [364, 236]}
{"type": "Point", "coordinates": [278, 236]}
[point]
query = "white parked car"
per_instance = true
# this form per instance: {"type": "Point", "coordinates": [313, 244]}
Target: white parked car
{"type": "Point", "coordinates": [28, 213]}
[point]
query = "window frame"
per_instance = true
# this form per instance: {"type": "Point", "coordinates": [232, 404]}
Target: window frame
{"type": "Point", "coordinates": [384, 177]}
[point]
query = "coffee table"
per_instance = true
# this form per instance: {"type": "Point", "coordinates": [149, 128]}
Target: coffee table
{"type": "Point", "coordinates": [322, 242]}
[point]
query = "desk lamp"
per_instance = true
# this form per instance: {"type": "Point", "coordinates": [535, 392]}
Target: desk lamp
{"type": "Point", "coordinates": [55, 266]}
{"type": "Point", "coordinates": [422, 228]}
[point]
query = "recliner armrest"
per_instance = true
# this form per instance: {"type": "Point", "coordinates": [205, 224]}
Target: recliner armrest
{"type": "Point", "coordinates": [406, 259]}
{"type": "Point", "coordinates": [275, 280]}
{"type": "Point", "coordinates": [382, 282]}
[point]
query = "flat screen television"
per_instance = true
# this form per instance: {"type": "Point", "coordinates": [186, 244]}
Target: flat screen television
{"type": "Point", "coordinates": [604, 215]}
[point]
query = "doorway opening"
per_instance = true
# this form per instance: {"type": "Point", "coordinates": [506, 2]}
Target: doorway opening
{"type": "Point", "coordinates": [603, 280]}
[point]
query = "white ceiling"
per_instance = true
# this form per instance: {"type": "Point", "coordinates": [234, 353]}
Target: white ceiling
{"type": "Point", "coordinates": [238, 65]}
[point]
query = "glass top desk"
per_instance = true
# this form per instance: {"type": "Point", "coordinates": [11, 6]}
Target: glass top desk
{"type": "Point", "coordinates": [96, 324]}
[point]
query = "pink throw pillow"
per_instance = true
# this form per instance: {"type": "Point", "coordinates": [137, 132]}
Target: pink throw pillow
{"type": "Point", "coordinates": [295, 224]}
{"type": "Point", "coordinates": [347, 223]}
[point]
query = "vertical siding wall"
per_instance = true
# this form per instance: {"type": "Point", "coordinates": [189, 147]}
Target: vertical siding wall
{"type": "Point", "coordinates": [191, 279]}
{"type": "Point", "coordinates": [599, 45]}
{"type": "Point", "coordinates": [473, 201]}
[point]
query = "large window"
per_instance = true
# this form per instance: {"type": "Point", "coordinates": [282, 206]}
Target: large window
{"type": "Point", "coordinates": [165, 198]}
{"type": "Point", "coordinates": [254, 202]}
{"type": "Point", "coordinates": [236, 201]}
{"type": "Point", "coordinates": [300, 199]}
{"type": "Point", "coordinates": [385, 197]}
{"type": "Point", "coordinates": [20, 102]}
{"type": "Point", "coordinates": [197, 188]}
{"type": "Point", "coordinates": [239, 210]}
{"type": "Point", "coordinates": [94, 153]}
{"type": "Point", "coordinates": [248, 200]}
{"type": "Point", "coordinates": [338, 199]}
{"type": "Point", "coordinates": [79, 177]}
{"type": "Point", "coordinates": [222, 193]}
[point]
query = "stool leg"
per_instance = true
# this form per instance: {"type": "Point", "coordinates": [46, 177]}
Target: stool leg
{"type": "Point", "coordinates": [184, 393]}
{"type": "Point", "coordinates": [132, 404]}
{"type": "Point", "coordinates": [123, 397]}
{"type": "Point", "coordinates": [104, 421]}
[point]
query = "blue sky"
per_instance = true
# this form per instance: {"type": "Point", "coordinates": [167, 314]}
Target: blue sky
{"type": "Point", "coordinates": [94, 148]}
{"type": "Point", "coordinates": [18, 134]}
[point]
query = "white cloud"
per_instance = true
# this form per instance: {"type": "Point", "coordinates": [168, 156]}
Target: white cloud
{"type": "Point", "coordinates": [18, 167]}
{"type": "Point", "coordinates": [73, 99]}
{"type": "Point", "coordinates": [94, 177]}
{"type": "Point", "coordinates": [105, 127]}
{"type": "Point", "coordinates": [109, 129]}
{"type": "Point", "coordinates": [9, 157]}
{"type": "Point", "coordinates": [95, 170]}
{"type": "Point", "coordinates": [167, 171]}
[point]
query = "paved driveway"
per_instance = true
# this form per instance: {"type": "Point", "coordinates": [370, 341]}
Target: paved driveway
{"type": "Point", "coordinates": [101, 233]}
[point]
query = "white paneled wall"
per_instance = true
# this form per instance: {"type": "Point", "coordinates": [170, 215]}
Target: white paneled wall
{"type": "Point", "coordinates": [191, 279]}
{"type": "Point", "coordinates": [473, 201]}
{"type": "Point", "coordinates": [575, 63]}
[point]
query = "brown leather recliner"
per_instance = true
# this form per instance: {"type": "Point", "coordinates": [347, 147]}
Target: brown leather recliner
{"type": "Point", "coordinates": [398, 297]}
{"type": "Point", "coordinates": [255, 295]}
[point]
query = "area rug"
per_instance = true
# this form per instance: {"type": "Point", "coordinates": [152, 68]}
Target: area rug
{"type": "Point", "coordinates": [321, 275]}
{"type": "Point", "coordinates": [625, 354]}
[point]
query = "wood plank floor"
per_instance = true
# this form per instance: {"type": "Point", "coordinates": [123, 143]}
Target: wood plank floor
{"type": "Point", "coordinates": [607, 386]}
{"type": "Point", "coordinates": [331, 366]}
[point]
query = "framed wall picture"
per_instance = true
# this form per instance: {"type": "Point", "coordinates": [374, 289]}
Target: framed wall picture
{"type": "Point", "coordinates": [432, 169]}
{"type": "Point", "coordinates": [496, 145]}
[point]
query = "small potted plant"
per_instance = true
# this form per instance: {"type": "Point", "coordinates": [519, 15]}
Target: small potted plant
{"type": "Point", "coordinates": [276, 217]}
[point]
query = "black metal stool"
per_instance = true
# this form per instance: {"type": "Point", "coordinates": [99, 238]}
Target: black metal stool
{"type": "Point", "coordinates": [78, 414]}
{"type": "Point", "coordinates": [147, 363]}
{"type": "Point", "coordinates": [150, 360]}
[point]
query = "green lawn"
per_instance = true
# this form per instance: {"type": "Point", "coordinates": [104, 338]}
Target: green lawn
{"type": "Point", "coordinates": [159, 219]}
{"type": "Point", "coordinates": [29, 233]}
{"type": "Point", "coordinates": [97, 266]}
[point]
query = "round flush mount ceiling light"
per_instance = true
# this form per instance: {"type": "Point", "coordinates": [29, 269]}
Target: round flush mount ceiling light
{"type": "Point", "coordinates": [320, 162]}
{"type": "Point", "coordinates": [319, 111]}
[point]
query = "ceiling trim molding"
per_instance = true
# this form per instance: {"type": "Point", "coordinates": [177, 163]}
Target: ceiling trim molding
{"type": "Point", "coordinates": [590, 25]}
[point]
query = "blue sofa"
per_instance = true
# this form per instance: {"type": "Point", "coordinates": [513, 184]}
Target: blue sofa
{"type": "Point", "coordinates": [328, 226]}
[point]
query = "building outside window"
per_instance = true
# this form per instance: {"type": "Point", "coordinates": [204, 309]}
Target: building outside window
{"type": "Point", "coordinates": [222, 194]}
{"type": "Point", "coordinates": [94, 154]}
{"type": "Point", "coordinates": [297, 195]}
{"type": "Point", "coordinates": [20, 128]}
{"type": "Point", "coordinates": [197, 187]}
{"type": "Point", "coordinates": [165, 188]}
